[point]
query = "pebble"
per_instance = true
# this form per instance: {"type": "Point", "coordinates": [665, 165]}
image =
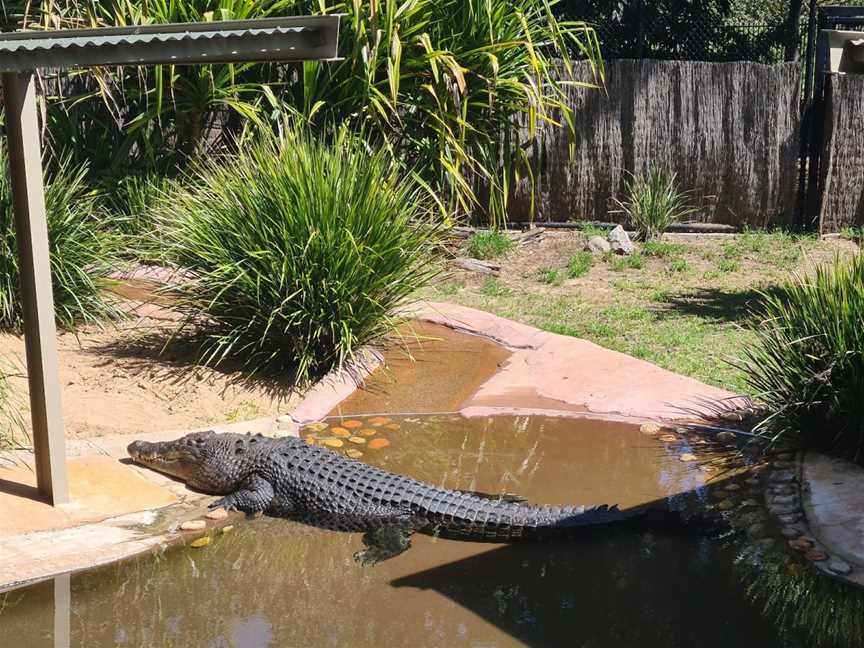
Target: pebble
{"type": "Point", "coordinates": [649, 428]}
{"type": "Point", "coordinates": [367, 432]}
{"type": "Point", "coordinates": [340, 432]}
{"type": "Point", "coordinates": [377, 444]}
{"type": "Point", "coordinates": [801, 544]}
{"type": "Point", "coordinates": [333, 443]}
{"type": "Point", "coordinates": [780, 476]}
{"type": "Point", "coordinates": [217, 514]}
{"type": "Point", "coordinates": [758, 469]}
{"type": "Point", "coordinates": [839, 567]}
{"type": "Point", "coordinates": [784, 499]}
{"type": "Point", "coordinates": [789, 518]}
{"type": "Point", "coordinates": [379, 420]}
{"type": "Point", "coordinates": [228, 528]}
{"type": "Point", "coordinates": [284, 418]}
{"type": "Point", "coordinates": [725, 437]}
{"type": "Point", "coordinates": [352, 424]}
{"type": "Point", "coordinates": [669, 438]}
{"type": "Point", "coordinates": [732, 487]}
{"type": "Point", "coordinates": [756, 530]}
{"type": "Point", "coordinates": [392, 426]}
{"type": "Point", "coordinates": [688, 457]}
{"type": "Point", "coordinates": [706, 469]}
{"type": "Point", "coordinates": [200, 542]}
{"type": "Point", "coordinates": [790, 532]}
{"type": "Point", "coordinates": [357, 440]}
{"type": "Point", "coordinates": [816, 556]}
{"type": "Point", "coordinates": [310, 440]}
{"type": "Point", "coordinates": [748, 504]}
{"type": "Point", "coordinates": [726, 505]}
{"type": "Point", "coordinates": [752, 481]}
{"type": "Point", "coordinates": [354, 454]}
{"type": "Point", "coordinates": [317, 427]}
{"type": "Point", "coordinates": [193, 525]}
{"type": "Point", "coordinates": [783, 465]}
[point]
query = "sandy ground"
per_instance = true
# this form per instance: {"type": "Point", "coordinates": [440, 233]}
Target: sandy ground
{"type": "Point", "coordinates": [119, 381]}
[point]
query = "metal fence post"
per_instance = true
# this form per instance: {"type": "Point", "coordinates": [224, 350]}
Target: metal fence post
{"type": "Point", "coordinates": [31, 234]}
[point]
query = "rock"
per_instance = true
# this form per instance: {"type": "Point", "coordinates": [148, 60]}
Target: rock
{"type": "Point", "coordinates": [790, 532]}
{"type": "Point", "coordinates": [731, 416]}
{"type": "Point", "coordinates": [800, 544]}
{"type": "Point", "coordinates": [193, 525]}
{"type": "Point", "coordinates": [758, 469]}
{"type": "Point", "coordinates": [815, 555]}
{"type": "Point", "coordinates": [784, 499]}
{"type": "Point", "coordinates": [732, 487]}
{"type": "Point", "coordinates": [368, 432]}
{"type": "Point", "coordinates": [200, 542]}
{"type": "Point", "coordinates": [228, 528]}
{"type": "Point", "coordinates": [725, 437]}
{"type": "Point", "coordinates": [688, 457]}
{"type": "Point", "coordinates": [839, 567]}
{"type": "Point", "coordinates": [748, 504]}
{"type": "Point", "coordinates": [357, 440]}
{"type": "Point", "coordinates": [377, 444]}
{"type": "Point", "coordinates": [597, 245]}
{"type": "Point", "coordinates": [352, 424]}
{"type": "Point", "coordinates": [340, 432]}
{"type": "Point", "coordinates": [784, 465]}
{"type": "Point", "coordinates": [756, 530]}
{"type": "Point", "coordinates": [752, 481]}
{"type": "Point", "coordinates": [354, 454]}
{"type": "Point", "coordinates": [217, 514]}
{"type": "Point", "coordinates": [284, 418]}
{"type": "Point", "coordinates": [620, 242]}
{"type": "Point", "coordinates": [706, 469]}
{"type": "Point", "coordinates": [790, 518]}
{"type": "Point", "coordinates": [726, 505]}
{"type": "Point", "coordinates": [783, 509]}
{"type": "Point", "coordinates": [649, 428]}
{"type": "Point", "coordinates": [781, 476]}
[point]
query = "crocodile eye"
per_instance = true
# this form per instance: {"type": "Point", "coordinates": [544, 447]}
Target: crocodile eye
{"type": "Point", "coordinates": [239, 450]}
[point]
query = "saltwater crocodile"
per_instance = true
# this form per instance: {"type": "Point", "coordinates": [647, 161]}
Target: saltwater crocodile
{"type": "Point", "coordinates": [290, 478]}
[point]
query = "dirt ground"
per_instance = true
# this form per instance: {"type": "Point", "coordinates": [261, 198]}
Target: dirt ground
{"type": "Point", "coordinates": [118, 381]}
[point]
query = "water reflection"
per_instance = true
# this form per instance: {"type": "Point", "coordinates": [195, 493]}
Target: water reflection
{"type": "Point", "coordinates": [276, 583]}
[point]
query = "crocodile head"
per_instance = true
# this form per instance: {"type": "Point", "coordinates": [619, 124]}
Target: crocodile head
{"type": "Point", "coordinates": [206, 461]}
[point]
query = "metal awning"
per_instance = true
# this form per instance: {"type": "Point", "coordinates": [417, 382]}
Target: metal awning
{"type": "Point", "coordinates": [298, 38]}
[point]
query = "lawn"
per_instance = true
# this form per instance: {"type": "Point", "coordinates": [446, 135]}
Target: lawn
{"type": "Point", "coordinates": [680, 303]}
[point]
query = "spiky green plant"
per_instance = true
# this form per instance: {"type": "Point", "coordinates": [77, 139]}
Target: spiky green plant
{"type": "Point", "coordinates": [489, 244]}
{"type": "Point", "coordinates": [302, 251]}
{"type": "Point", "coordinates": [653, 202]}
{"type": "Point", "coordinates": [807, 362]}
{"type": "Point", "coordinates": [83, 254]}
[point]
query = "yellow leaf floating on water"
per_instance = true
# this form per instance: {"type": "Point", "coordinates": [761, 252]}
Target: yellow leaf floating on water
{"type": "Point", "coordinates": [354, 454]}
{"type": "Point", "coordinates": [377, 444]}
{"type": "Point", "coordinates": [357, 440]}
{"type": "Point", "coordinates": [353, 424]}
{"type": "Point", "coordinates": [333, 443]}
{"type": "Point", "coordinates": [340, 432]}
{"type": "Point", "coordinates": [392, 426]}
{"type": "Point", "coordinates": [203, 541]}
{"type": "Point", "coordinates": [368, 432]}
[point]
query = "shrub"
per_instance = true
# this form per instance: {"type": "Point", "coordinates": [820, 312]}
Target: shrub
{"type": "Point", "coordinates": [489, 244]}
{"type": "Point", "coordinates": [652, 203]}
{"type": "Point", "coordinates": [82, 253]}
{"type": "Point", "coordinates": [302, 251]}
{"type": "Point", "coordinates": [580, 264]}
{"type": "Point", "coordinates": [807, 363]}
{"type": "Point", "coordinates": [549, 276]}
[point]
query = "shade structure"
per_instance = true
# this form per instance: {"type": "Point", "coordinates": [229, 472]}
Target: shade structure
{"type": "Point", "coordinates": [298, 38]}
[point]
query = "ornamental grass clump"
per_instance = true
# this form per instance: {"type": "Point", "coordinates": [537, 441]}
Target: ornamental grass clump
{"type": "Point", "coordinates": [83, 253]}
{"type": "Point", "coordinates": [301, 251]}
{"type": "Point", "coordinates": [807, 363]}
{"type": "Point", "coordinates": [653, 202]}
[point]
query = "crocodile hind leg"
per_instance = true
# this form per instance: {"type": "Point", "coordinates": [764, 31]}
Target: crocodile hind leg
{"type": "Point", "coordinates": [385, 541]}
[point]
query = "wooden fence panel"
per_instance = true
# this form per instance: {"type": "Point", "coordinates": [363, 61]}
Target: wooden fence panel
{"type": "Point", "coordinates": [729, 130]}
{"type": "Point", "coordinates": [843, 153]}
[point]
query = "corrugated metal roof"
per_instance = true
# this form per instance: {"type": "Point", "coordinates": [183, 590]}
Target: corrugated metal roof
{"type": "Point", "coordinates": [36, 43]}
{"type": "Point", "coordinates": [269, 39]}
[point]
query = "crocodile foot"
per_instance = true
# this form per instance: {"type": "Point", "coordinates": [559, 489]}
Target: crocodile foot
{"type": "Point", "coordinates": [383, 543]}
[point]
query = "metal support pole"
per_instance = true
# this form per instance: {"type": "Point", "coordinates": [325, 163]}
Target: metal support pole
{"type": "Point", "coordinates": [31, 234]}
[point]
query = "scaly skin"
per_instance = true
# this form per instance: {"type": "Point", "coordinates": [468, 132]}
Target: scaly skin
{"type": "Point", "coordinates": [289, 478]}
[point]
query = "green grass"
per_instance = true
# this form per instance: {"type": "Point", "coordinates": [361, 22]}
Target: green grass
{"type": "Point", "coordinates": [580, 264]}
{"type": "Point", "coordinates": [855, 234]}
{"type": "Point", "coordinates": [687, 319]}
{"type": "Point", "coordinates": [550, 276]}
{"type": "Point", "coordinates": [663, 249]}
{"type": "Point", "coordinates": [653, 202]}
{"type": "Point", "coordinates": [807, 364]}
{"type": "Point", "coordinates": [83, 253]}
{"type": "Point", "coordinates": [618, 263]}
{"type": "Point", "coordinates": [12, 428]}
{"type": "Point", "coordinates": [303, 251]}
{"type": "Point", "coordinates": [489, 244]}
{"type": "Point", "coordinates": [590, 231]}
{"type": "Point", "coordinates": [494, 288]}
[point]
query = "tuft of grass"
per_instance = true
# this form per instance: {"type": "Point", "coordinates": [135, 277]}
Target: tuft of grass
{"type": "Point", "coordinates": [728, 265]}
{"type": "Point", "coordinates": [677, 265]}
{"type": "Point", "coordinates": [807, 363]}
{"type": "Point", "coordinates": [663, 249]}
{"type": "Point", "coordinates": [550, 276]}
{"type": "Point", "coordinates": [580, 264]}
{"type": "Point", "coordinates": [653, 202]}
{"type": "Point", "coordinates": [489, 244]}
{"type": "Point", "coordinates": [618, 263]}
{"type": "Point", "coordinates": [83, 253]}
{"type": "Point", "coordinates": [302, 251]}
{"type": "Point", "coordinates": [854, 234]}
{"type": "Point", "coordinates": [590, 231]}
{"type": "Point", "coordinates": [493, 287]}
{"type": "Point", "coordinates": [12, 428]}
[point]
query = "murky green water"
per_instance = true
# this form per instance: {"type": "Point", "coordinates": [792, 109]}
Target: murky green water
{"type": "Point", "coordinates": [272, 582]}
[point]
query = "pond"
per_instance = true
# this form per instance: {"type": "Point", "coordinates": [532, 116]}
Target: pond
{"type": "Point", "coordinates": [273, 582]}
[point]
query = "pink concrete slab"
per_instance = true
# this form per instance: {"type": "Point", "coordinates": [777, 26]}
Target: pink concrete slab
{"type": "Point", "coordinates": [555, 372]}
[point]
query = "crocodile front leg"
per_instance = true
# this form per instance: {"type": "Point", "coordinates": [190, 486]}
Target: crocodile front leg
{"type": "Point", "coordinates": [254, 495]}
{"type": "Point", "coordinates": [385, 542]}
